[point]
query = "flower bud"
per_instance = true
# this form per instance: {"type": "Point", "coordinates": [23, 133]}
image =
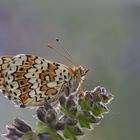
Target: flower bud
{"type": "Point", "coordinates": [13, 134]}
{"type": "Point", "coordinates": [47, 106]}
{"type": "Point", "coordinates": [59, 125]}
{"type": "Point", "coordinates": [62, 100]}
{"type": "Point", "coordinates": [50, 117]}
{"type": "Point", "coordinates": [45, 137]}
{"type": "Point", "coordinates": [21, 125]}
{"type": "Point", "coordinates": [41, 113]}
{"type": "Point", "coordinates": [70, 102]}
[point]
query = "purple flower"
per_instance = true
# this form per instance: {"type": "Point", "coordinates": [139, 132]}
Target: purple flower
{"type": "Point", "coordinates": [71, 115]}
{"type": "Point", "coordinates": [41, 113]}
{"type": "Point", "coordinates": [13, 134]}
{"type": "Point", "coordinates": [21, 125]}
{"type": "Point", "coordinates": [45, 137]}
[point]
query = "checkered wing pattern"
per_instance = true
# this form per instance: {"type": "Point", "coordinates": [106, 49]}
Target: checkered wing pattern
{"type": "Point", "coordinates": [28, 80]}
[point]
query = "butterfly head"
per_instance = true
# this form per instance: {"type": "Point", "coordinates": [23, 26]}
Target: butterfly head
{"type": "Point", "coordinates": [83, 71]}
{"type": "Point", "coordinates": [79, 72]}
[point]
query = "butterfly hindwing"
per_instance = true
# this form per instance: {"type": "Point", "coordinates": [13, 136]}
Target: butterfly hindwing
{"type": "Point", "coordinates": [4, 61]}
{"type": "Point", "coordinates": [30, 79]}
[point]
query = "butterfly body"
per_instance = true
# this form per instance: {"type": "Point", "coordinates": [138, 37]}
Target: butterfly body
{"type": "Point", "coordinates": [28, 80]}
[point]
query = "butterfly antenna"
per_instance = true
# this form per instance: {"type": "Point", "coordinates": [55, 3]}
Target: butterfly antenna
{"type": "Point", "coordinates": [51, 47]}
{"type": "Point", "coordinates": [64, 49]}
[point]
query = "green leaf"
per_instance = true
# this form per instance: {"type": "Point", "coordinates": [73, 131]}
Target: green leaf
{"type": "Point", "coordinates": [84, 104]}
{"type": "Point", "coordinates": [66, 111]}
{"type": "Point", "coordinates": [98, 109]}
{"type": "Point", "coordinates": [29, 135]}
{"type": "Point", "coordinates": [42, 128]}
{"type": "Point", "coordinates": [106, 98]}
{"type": "Point", "coordinates": [97, 97]}
{"type": "Point", "coordinates": [83, 120]}
{"type": "Point", "coordinates": [103, 108]}
{"type": "Point", "coordinates": [77, 131]}
{"type": "Point", "coordinates": [69, 133]}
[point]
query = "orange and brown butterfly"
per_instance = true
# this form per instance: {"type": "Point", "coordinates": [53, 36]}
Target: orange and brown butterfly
{"type": "Point", "coordinates": [29, 80]}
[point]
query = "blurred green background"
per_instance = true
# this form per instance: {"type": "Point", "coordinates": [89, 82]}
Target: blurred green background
{"type": "Point", "coordinates": [103, 35]}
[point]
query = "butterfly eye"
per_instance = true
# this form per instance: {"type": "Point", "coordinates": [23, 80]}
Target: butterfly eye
{"type": "Point", "coordinates": [83, 71]}
{"type": "Point", "coordinates": [86, 71]}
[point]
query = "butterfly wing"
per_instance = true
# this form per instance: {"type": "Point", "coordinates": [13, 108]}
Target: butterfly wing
{"type": "Point", "coordinates": [4, 61]}
{"type": "Point", "coordinates": [29, 80]}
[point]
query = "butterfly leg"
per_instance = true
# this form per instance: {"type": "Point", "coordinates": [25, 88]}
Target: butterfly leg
{"type": "Point", "coordinates": [81, 90]}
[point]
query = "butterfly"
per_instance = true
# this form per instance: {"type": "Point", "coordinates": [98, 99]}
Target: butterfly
{"type": "Point", "coordinates": [29, 80]}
